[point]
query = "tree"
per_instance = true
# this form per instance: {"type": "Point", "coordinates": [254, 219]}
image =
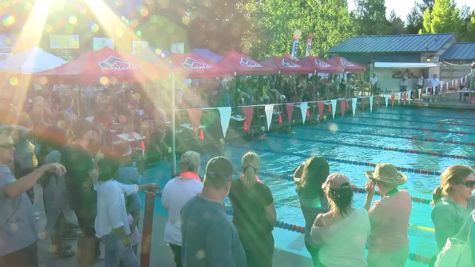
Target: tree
{"type": "Point", "coordinates": [274, 21]}
{"type": "Point", "coordinates": [371, 17]}
{"type": "Point", "coordinates": [444, 17]}
{"type": "Point", "coordinates": [415, 17]}
{"type": "Point", "coordinates": [396, 24]}
{"type": "Point", "coordinates": [467, 28]}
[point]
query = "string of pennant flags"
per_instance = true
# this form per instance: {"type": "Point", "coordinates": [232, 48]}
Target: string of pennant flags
{"type": "Point", "coordinates": [320, 106]}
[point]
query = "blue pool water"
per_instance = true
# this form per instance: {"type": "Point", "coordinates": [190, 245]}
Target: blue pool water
{"type": "Point", "coordinates": [344, 139]}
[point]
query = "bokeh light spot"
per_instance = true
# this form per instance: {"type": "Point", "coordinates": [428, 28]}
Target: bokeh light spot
{"type": "Point", "coordinates": [144, 12]}
{"type": "Point", "coordinates": [73, 20]}
{"type": "Point", "coordinates": [333, 127]}
{"type": "Point", "coordinates": [104, 81]}
{"type": "Point", "coordinates": [13, 81]}
{"type": "Point", "coordinates": [43, 80]}
{"type": "Point", "coordinates": [8, 20]}
{"type": "Point", "coordinates": [94, 27]}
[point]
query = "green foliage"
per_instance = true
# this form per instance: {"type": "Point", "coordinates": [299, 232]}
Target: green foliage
{"type": "Point", "coordinates": [444, 17]}
{"type": "Point", "coordinates": [396, 25]}
{"type": "Point", "coordinates": [415, 17]}
{"type": "Point", "coordinates": [273, 23]}
{"type": "Point", "coordinates": [371, 17]}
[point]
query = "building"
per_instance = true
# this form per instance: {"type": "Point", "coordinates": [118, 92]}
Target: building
{"type": "Point", "coordinates": [394, 57]}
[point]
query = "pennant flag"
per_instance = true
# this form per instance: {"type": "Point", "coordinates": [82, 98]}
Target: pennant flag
{"type": "Point", "coordinates": [269, 109]}
{"type": "Point", "coordinates": [371, 103]}
{"type": "Point", "coordinates": [427, 90]}
{"type": "Point", "coordinates": [309, 113]}
{"type": "Point", "coordinates": [378, 101]}
{"type": "Point", "coordinates": [202, 135]}
{"type": "Point", "coordinates": [408, 96]}
{"type": "Point", "coordinates": [399, 98]}
{"type": "Point", "coordinates": [321, 109]}
{"type": "Point", "coordinates": [279, 119]}
{"type": "Point", "coordinates": [248, 113]}
{"type": "Point", "coordinates": [420, 92]}
{"type": "Point", "coordinates": [393, 98]}
{"type": "Point", "coordinates": [195, 118]}
{"type": "Point", "coordinates": [333, 101]}
{"type": "Point", "coordinates": [386, 99]}
{"type": "Point", "coordinates": [303, 110]}
{"type": "Point", "coordinates": [290, 111]}
{"type": "Point", "coordinates": [343, 107]}
{"type": "Point", "coordinates": [354, 100]}
{"type": "Point", "coordinates": [225, 116]}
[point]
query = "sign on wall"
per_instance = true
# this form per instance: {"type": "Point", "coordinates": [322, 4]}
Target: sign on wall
{"type": "Point", "coordinates": [137, 46]}
{"type": "Point", "coordinates": [64, 41]}
{"type": "Point", "coordinates": [100, 42]}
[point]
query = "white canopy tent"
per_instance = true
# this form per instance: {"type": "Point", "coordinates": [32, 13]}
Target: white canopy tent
{"type": "Point", "coordinates": [31, 61]}
{"type": "Point", "coordinates": [404, 65]}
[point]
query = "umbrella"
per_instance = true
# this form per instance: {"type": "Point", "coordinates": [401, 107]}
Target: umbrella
{"type": "Point", "coordinates": [194, 66]}
{"type": "Point", "coordinates": [287, 65]}
{"type": "Point", "coordinates": [244, 65]}
{"type": "Point", "coordinates": [103, 66]}
{"type": "Point", "coordinates": [320, 65]}
{"type": "Point", "coordinates": [31, 61]}
{"type": "Point", "coordinates": [347, 65]}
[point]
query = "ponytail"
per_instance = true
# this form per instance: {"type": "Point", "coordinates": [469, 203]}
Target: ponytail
{"type": "Point", "coordinates": [437, 195]}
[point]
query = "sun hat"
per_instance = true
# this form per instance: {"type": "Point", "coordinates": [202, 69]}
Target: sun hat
{"type": "Point", "coordinates": [336, 181]}
{"type": "Point", "coordinates": [386, 173]}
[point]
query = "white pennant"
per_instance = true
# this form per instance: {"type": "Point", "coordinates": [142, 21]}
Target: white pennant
{"type": "Point", "coordinates": [408, 96]}
{"type": "Point", "coordinates": [399, 98]}
{"type": "Point", "coordinates": [371, 103]}
{"type": "Point", "coordinates": [333, 107]}
{"type": "Point", "coordinates": [303, 110]}
{"type": "Point", "coordinates": [427, 90]}
{"type": "Point", "coordinates": [419, 92]}
{"type": "Point", "coordinates": [354, 100]}
{"type": "Point", "coordinates": [269, 109]}
{"type": "Point", "coordinates": [386, 100]}
{"type": "Point", "coordinates": [225, 115]}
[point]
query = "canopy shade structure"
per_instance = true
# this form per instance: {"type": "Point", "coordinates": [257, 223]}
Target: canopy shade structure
{"type": "Point", "coordinates": [320, 65]}
{"type": "Point", "coordinates": [194, 66]}
{"type": "Point", "coordinates": [207, 54]}
{"type": "Point", "coordinates": [347, 65]}
{"type": "Point", "coordinates": [31, 61]}
{"type": "Point", "coordinates": [103, 67]}
{"type": "Point", "coordinates": [404, 65]}
{"type": "Point", "coordinates": [242, 64]}
{"type": "Point", "coordinates": [286, 65]}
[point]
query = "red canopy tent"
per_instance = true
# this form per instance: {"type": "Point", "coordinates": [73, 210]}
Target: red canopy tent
{"type": "Point", "coordinates": [104, 66]}
{"type": "Point", "coordinates": [242, 64]}
{"type": "Point", "coordinates": [286, 65]}
{"type": "Point", "coordinates": [320, 65]}
{"type": "Point", "coordinates": [346, 64]}
{"type": "Point", "coordinates": [194, 66]}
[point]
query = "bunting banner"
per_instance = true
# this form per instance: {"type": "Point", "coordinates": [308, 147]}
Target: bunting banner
{"type": "Point", "coordinates": [248, 113]}
{"type": "Point", "coordinates": [290, 111]}
{"type": "Point", "coordinates": [269, 109]}
{"type": "Point", "coordinates": [427, 90]}
{"type": "Point", "coordinates": [303, 110]}
{"type": "Point", "coordinates": [386, 100]}
{"type": "Point", "coordinates": [321, 109]}
{"type": "Point", "coordinates": [333, 101]}
{"type": "Point", "coordinates": [393, 98]}
{"type": "Point", "coordinates": [371, 103]}
{"type": "Point", "coordinates": [408, 96]}
{"type": "Point", "coordinates": [354, 100]}
{"type": "Point", "coordinates": [420, 92]}
{"type": "Point", "coordinates": [399, 95]}
{"type": "Point", "coordinates": [225, 116]}
{"type": "Point", "coordinates": [378, 101]}
{"type": "Point", "coordinates": [343, 105]}
{"type": "Point", "coordinates": [195, 118]}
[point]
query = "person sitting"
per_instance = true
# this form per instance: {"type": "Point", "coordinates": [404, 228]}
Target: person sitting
{"type": "Point", "coordinates": [453, 202]}
{"type": "Point", "coordinates": [388, 243]}
{"type": "Point", "coordinates": [341, 233]}
{"type": "Point", "coordinates": [254, 213]}
{"type": "Point", "coordinates": [309, 178]}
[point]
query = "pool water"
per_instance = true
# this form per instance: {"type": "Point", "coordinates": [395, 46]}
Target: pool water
{"type": "Point", "coordinates": [346, 140]}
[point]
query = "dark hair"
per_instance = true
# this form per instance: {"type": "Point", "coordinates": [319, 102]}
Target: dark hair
{"type": "Point", "coordinates": [341, 199]}
{"type": "Point", "coordinates": [218, 172]}
{"type": "Point", "coordinates": [315, 172]}
{"type": "Point", "coordinates": [454, 174]}
{"type": "Point", "coordinates": [108, 168]}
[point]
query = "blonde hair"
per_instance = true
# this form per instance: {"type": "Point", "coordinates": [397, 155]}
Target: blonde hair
{"type": "Point", "coordinates": [250, 159]}
{"type": "Point", "coordinates": [454, 174]}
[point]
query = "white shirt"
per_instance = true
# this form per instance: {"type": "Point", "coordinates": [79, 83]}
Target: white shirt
{"type": "Point", "coordinates": [174, 196]}
{"type": "Point", "coordinates": [435, 82]}
{"type": "Point", "coordinates": [111, 210]}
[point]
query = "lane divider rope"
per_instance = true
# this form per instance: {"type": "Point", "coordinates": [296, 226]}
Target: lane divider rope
{"type": "Point", "coordinates": [447, 123]}
{"type": "Point", "coordinates": [386, 111]}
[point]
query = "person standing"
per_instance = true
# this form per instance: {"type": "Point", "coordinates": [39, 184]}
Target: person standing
{"type": "Point", "coordinates": [374, 83]}
{"type": "Point", "coordinates": [254, 213]}
{"type": "Point", "coordinates": [309, 178]}
{"type": "Point", "coordinates": [388, 244]}
{"type": "Point", "coordinates": [341, 233]}
{"type": "Point", "coordinates": [175, 194]}
{"type": "Point", "coordinates": [17, 224]}
{"type": "Point", "coordinates": [209, 238]}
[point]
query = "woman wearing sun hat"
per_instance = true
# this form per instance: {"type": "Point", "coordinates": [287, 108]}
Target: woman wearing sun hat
{"type": "Point", "coordinates": [341, 233]}
{"type": "Point", "coordinates": [388, 243]}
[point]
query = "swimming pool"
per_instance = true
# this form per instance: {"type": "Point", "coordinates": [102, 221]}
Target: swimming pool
{"type": "Point", "coordinates": [423, 141]}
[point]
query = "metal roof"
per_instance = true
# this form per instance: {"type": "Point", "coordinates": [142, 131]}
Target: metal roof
{"type": "Point", "coordinates": [407, 43]}
{"type": "Point", "coordinates": [460, 51]}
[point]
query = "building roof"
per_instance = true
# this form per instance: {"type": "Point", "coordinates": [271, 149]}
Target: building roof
{"type": "Point", "coordinates": [460, 52]}
{"type": "Point", "coordinates": [405, 43]}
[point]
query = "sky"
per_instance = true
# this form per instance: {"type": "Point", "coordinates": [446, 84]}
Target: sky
{"type": "Point", "coordinates": [403, 7]}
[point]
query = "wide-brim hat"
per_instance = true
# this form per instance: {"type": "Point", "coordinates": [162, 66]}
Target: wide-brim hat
{"type": "Point", "coordinates": [386, 173]}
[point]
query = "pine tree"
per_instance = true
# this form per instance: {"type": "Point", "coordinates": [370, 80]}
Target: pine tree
{"type": "Point", "coordinates": [371, 17]}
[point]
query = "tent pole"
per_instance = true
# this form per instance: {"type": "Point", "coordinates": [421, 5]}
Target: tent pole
{"type": "Point", "coordinates": [173, 127]}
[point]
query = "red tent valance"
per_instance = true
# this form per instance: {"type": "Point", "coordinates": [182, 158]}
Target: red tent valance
{"type": "Point", "coordinates": [320, 65]}
{"type": "Point", "coordinates": [287, 65]}
{"type": "Point", "coordinates": [346, 64]}
{"type": "Point", "coordinates": [242, 64]}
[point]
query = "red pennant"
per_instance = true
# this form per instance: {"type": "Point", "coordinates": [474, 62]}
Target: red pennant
{"type": "Point", "coordinates": [308, 113]}
{"type": "Point", "coordinates": [290, 111]}
{"type": "Point", "coordinates": [343, 104]}
{"type": "Point", "coordinates": [202, 135]}
{"type": "Point", "coordinates": [195, 117]}
{"type": "Point", "coordinates": [142, 145]}
{"type": "Point", "coordinates": [330, 108]}
{"type": "Point", "coordinates": [248, 113]}
{"type": "Point", "coordinates": [378, 101]}
{"type": "Point", "coordinates": [321, 109]}
{"type": "Point", "coordinates": [279, 119]}
{"type": "Point", "coordinates": [393, 98]}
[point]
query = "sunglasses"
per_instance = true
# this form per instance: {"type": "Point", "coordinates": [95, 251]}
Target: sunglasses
{"type": "Point", "coordinates": [469, 183]}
